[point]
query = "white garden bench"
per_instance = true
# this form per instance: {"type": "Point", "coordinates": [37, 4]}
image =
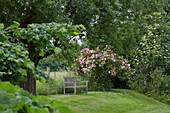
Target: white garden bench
{"type": "Point", "coordinates": [71, 82]}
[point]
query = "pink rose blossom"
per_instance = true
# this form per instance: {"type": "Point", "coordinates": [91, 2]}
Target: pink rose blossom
{"type": "Point", "coordinates": [123, 63]}
{"type": "Point", "coordinates": [129, 68]}
{"type": "Point", "coordinates": [122, 67]}
{"type": "Point", "coordinates": [127, 64]}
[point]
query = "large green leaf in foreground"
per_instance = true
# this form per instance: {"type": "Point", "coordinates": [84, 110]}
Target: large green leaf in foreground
{"type": "Point", "coordinates": [15, 100]}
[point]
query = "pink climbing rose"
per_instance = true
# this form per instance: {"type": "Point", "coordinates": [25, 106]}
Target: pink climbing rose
{"type": "Point", "coordinates": [89, 60]}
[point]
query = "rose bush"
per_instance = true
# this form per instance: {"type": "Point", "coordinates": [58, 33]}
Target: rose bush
{"type": "Point", "coordinates": [101, 66]}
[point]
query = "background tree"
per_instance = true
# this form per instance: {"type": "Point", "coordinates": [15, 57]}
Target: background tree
{"type": "Point", "coordinates": [55, 63]}
{"type": "Point", "coordinates": [113, 22]}
{"type": "Point", "coordinates": [150, 58]}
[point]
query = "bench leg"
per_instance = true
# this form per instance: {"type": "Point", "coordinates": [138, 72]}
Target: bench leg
{"type": "Point", "coordinates": [75, 91]}
{"type": "Point", "coordinates": [87, 90]}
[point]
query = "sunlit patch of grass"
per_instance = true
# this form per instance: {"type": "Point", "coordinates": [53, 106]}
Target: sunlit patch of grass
{"type": "Point", "coordinates": [116, 101]}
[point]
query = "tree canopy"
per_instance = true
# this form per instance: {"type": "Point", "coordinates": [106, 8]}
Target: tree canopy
{"type": "Point", "coordinates": [31, 11]}
{"type": "Point", "coordinates": [24, 47]}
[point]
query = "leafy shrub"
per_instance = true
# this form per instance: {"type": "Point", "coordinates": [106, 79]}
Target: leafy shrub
{"type": "Point", "coordinates": [100, 66]}
{"type": "Point", "coordinates": [151, 59]}
{"type": "Point", "coordinates": [14, 99]}
{"type": "Point", "coordinates": [55, 87]}
{"type": "Point", "coordinates": [154, 84]}
{"type": "Point", "coordinates": [14, 63]}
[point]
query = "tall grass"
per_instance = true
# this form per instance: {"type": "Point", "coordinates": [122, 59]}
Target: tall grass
{"type": "Point", "coordinates": [56, 87]}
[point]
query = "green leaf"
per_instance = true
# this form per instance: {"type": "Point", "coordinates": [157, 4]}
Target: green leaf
{"type": "Point", "coordinates": [76, 33]}
{"type": "Point", "coordinates": [20, 70]}
{"type": "Point", "coordinates": [57, 50]}
{"type": "Point", "coordinates": [82, 26]}
{"type": "Point", "coordinates": [8, 111]}
{"type": "Point", "coordinates": [41, 54]}
{"type": "Point", "coordinates": [18, 33]}
{"type": "Point", "coordinates": [14, 99]}
{"type": "Point", "coordinates": [24, 71]}
{"type": "Point", "coordinates": [63, 30]}
{"type": "Point", "coordinates": [2, 107]}
{"type": "Point", "coordinates": [1, 73]}
{"type": "Point", "coordinates": [42, 80]}
{"type": "Point", "coordinates": [35, 110]}
{"type": "Point", "coordinates": [1, 26]}
{"type": "Point", "coordinates": [29, 65]}
{"type": "Point", "coordinates": [15, 25]}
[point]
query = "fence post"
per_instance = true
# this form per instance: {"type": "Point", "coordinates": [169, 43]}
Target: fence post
{"type": "Point", "coordinates": [48, 71]}
{"type": "Point", "coordinates": [68, 71]}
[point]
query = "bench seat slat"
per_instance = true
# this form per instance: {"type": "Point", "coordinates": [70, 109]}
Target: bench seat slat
{"type": "Point", "coordinates": [73, 86]}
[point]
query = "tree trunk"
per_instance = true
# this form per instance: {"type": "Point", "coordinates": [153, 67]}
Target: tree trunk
{"type": "Point", "coordinates": [29, 85]}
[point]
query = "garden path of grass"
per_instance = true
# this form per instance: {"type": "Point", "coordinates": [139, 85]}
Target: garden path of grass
{"type": "Point", "coordinates": [116, 101]}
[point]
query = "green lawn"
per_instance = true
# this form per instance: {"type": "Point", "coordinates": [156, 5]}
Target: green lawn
{"type": "Point", "coordinates": [116, 101]}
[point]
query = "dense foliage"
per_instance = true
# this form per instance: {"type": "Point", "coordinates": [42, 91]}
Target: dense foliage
{"type": "Point", "coordinates": [114, 22]}
{"type": "Point", "coordinates": [101, 66]}
{"type": "Point", "coordinates": [31, 11]}
{"type": "Point", "coordinates": [150, 59]}
{"type": "Point", "coordinates": [14, 63]}
{"type": "Point", "coordinates": [22, 48]}
{"type": "Point", "coordinates": [153, 49]}
{"type": "Point", "coordinates": [16, 100]}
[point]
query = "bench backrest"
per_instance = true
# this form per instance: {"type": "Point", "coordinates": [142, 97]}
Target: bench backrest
{"type": "Point", "coordinates": [71, 81]}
